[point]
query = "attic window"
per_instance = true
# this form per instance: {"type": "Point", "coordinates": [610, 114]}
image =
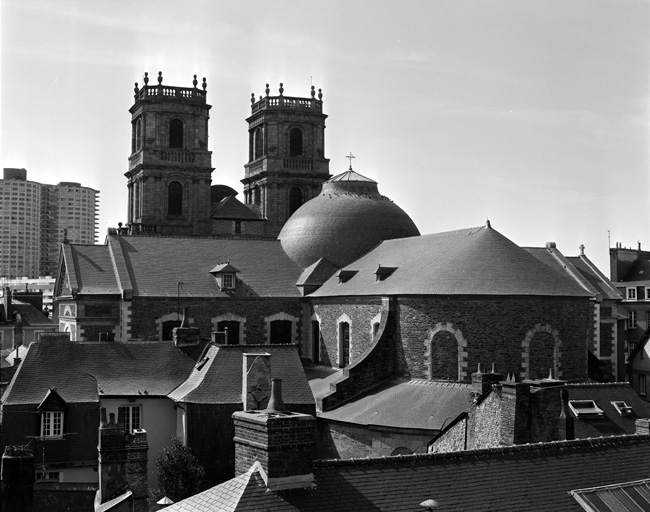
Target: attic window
{"type": "Point", "coordinates": [622, 408]}
{"type": "Point", "coordinates": [345, 275]}
{"type": "Point", "coordinates": [225, 275]}
{"type": "Point", "coordinates": [585, 408]}
{"type": "Point", "coordinates": [383, 272]}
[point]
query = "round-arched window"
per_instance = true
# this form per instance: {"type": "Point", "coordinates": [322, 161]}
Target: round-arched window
{"type": "Point", "coordinates": [175, 198]}
{"type": "Point", "coordinates": [258, 143]}
{"type": "Point", "coordinates": [295, 200]}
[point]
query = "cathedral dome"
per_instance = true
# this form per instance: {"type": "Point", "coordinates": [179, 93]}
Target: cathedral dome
{"type": "Point", "coordinates": [344, 222]}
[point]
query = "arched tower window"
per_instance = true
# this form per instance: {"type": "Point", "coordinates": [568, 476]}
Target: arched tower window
{"type": "Point", "coordinates": [295, 200]}
{"type": "Point", "coordinates": [344, 344]}
{"type": "Point", "coordinates": [256, 195]}
{"type": "Point", "coordinates": [175, 198]}
{"type": "Point", "coordinates": [258, 143]}
{"type": "Point", "coordinates": [176, 133]}
{"type": "Point", "coordinates": [295, 142]}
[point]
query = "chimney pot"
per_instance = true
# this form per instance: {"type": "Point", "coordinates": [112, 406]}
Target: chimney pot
{"type": "Point", "coordinates": [276, 404]}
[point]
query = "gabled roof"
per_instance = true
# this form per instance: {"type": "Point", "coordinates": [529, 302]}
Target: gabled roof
{"type": "Point", "coordinates": [611, 422]}
{"type": "Point", "coordinates": [86, 371]}
{"type": "Point", "coordinates": [317, 273]}
{"type": "Point", "coordinates": [595, 277]}
{"type": "Point", "coordinates": [90, 269]}
{"type": "Point", "coordinates": [475, 261]}
{"type": "Point", "coordinates": [231, 208]}
{"type": "Point", "coordinates": [244, 493]}
{"type": "Point", "coordinates": [525, 478]}
{"type": "Point", "coordinates": [29, 315]}
{"type": "Point", "coordinates": [156, 264]}
{"type": "Point", "coordinates": [418, 404]}
{"type": "Point", "coordinates": [218, 379]}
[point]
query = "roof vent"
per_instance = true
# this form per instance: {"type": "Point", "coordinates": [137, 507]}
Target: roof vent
{"type": "Point", "coordinates": [622, 408]}
{"type": "Point", "coordinates": [383, 272]}
{"type": "Point", "coordinates": [585, 408]}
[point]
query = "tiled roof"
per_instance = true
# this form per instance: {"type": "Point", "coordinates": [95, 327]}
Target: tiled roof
{"type": "Point", "coordinates": [233, 209]}
{"type": "Point", "coordinates": [219, 378]}
{"type": "Point", "coordinates": [611, 423]}
{"type": "Point", "coordinates": [640, 271]}
{"type": "Point", "coordinates": [596, 278]}
{"type": "Point", "coordinates": [419, 404]}
{"type": "Point", "coordinates": [476, 261]}
{"type": "Point", "coordinates": [156, 265]}
{"type": "Point", "coordinates": [93, 269]}
{"type": "Point", "coordinates": [244, 493]}
{"type": "Point", "coordinates": [84, 371]}
{"type": "Point", "coordinates": [524, 478]}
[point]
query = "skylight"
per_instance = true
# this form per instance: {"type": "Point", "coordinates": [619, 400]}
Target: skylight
{"type": "Point", "coordinates": [622, 408]}
{"type": "Point", "coordinates": [582, 408]}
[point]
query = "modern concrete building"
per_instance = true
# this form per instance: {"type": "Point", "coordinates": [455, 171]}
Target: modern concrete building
{"type": "Point", "coordinates": [36, 217]}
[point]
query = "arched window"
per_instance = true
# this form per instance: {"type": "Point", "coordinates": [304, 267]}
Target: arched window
{"type": "Point", "coordinates": [256, 195]}
{"type": "Point", "coordinates": [281, 332]}
{"type": "Point", "coordinates": [315, 340]}
{"type": "Point", "coordinates": [295, 142]}
{"type": "Point", "coordinates": [176, 133]}
{"type": "Point", "coordinates": [258, 144]}
{"type": "Point", "coordinates": [233, 331]}
{"type": "Point", "coordinates": [295, 200]}
{"type": "Point", "coordinates": [344, 344]}
{"type": "Point", "coordinates": [175, 198]}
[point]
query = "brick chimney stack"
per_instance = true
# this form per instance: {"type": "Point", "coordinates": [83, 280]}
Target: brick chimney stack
{"type": "Point", "coordinates": [281, 441]}
{"type": "Point", "coordinates": [122, 464]}
{"type": "Point", "coordinates": [482, 382]}
{"type": "Point", "coordinates": [185, 336]}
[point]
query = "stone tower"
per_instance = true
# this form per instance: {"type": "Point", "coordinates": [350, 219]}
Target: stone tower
{"type": "Point", "coordinates": [170, 168]}
{"type": "Point", "coordinates": [286, 156]}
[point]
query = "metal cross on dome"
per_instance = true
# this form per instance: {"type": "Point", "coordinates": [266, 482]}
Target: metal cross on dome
{"type": "Point", "coordinates": [350, 157]}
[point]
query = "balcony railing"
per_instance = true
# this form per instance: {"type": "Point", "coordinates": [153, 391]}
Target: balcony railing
{"type": "Point", "coordinates": [157, 91]}
{"type": "Point", "coordinates": [286, 102]}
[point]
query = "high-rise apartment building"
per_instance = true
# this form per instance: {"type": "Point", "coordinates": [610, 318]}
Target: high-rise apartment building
{"type": "Point", "coordinates": [34, 218]}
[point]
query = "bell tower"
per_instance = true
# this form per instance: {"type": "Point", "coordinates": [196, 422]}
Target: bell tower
{"type": "Point", "coordinates": [286, 155]}
{"type": "Point", "coordinates": [169, 174]}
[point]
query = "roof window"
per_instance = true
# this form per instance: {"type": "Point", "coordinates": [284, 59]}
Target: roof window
{"type": "Point", "coordinates": [345, 275]}
{"type": "Point", "coordinates": [226, 276]}
{"type": "Point", "coordinates": [585, 408]}
{"type": "Point", "coordinates": [383, 272]}
{"type": "Point", "coordinates": [622, 408]}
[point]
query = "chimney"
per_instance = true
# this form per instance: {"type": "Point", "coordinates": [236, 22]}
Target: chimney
{"type": "Point", "coordinates": [565, 420]}
{"type": "Point", "coordinates": [185, 336]}
{"type": "Point", "coordinates": [281, 441]}
{"type": "Point", "coordinates": [17, 334]}
{"type": "Point", "coordinates": [122, 463]}
{"type": "Point", "coordinates": [642, 426]}
{"type": "Point", "coordinates": [482, 382]}
{"type": "Point", "coordinates": [17, 479]}
{"type": "Point", "coordinates": [515, 411]}
{"type": "Point", "coordinates": [256, 381]}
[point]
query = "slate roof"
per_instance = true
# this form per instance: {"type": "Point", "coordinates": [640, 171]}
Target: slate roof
{"type": "Point", "coordinates": [92, 266]}
{"type": "Point", "coordinates": [231, 208]}
{"type": "Point", "coordinates": [218, 379]}
{"type": "Point", "coordinates": [596, 278]}
{"type": "Point", "coordinates": [611, 423]}
{"type": "Point", "coordinates": [30, 315]}
{"type": "Point", "coordinates": [535, 478]}
{"type": "Point", "coordinates": [418, 404]}
{"type": "Point", "coordinates": [640, 271]}
{"type": "Point", "coordinates": [153, 266]}
{"type": "Point", "coordinates": [84, 371]}
{"type": "Point", "coordinates": [475, 261]}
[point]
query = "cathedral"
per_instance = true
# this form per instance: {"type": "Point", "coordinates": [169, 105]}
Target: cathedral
{"type": "Point", "coordinates": [322, 261]}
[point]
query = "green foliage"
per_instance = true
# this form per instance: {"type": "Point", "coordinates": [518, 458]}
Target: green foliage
{"type": "Point", "coordinates": [179, 473]}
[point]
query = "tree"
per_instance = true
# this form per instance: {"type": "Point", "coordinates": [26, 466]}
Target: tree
{"type": "Point", "coordinates": [179, 473]}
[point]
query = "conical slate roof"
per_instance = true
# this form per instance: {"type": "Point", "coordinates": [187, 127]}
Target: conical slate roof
{"type": "Point", "coordinates": [345, 221]}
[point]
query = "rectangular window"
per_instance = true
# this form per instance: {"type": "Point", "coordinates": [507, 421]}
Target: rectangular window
{"type": "Point", "coordinates": [647, 293]}
{"type": "Point", "coordinates": [130, 416]}
{"type": "Point", "coordinates": [228, 281]}
{"type": "Point", "coordinates": [643, 390]}
{"type": "Point", "coordinates": [630, 293]}
{"type": "Point", "coordinates": [52, 424]}
{"type": "Point", "coordinates": [631, 320]}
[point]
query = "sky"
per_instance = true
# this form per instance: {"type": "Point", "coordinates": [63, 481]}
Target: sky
{"type": "Point", "coordinates": [532, 114]}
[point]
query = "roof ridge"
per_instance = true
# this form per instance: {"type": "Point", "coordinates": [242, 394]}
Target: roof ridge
{"type": "Point", "coordinates": [466, 454]}
{"type": "Point", "coordinates": [598, 384]}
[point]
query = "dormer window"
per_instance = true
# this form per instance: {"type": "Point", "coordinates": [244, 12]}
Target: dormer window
{"type": "Point", "coordinates": [345, 275]}
{"type": "Point", "coordinates": [631, 293]}
{"type": "Point", "coordinates": [226, 276]}
{"type": "Point", "coordinates": [585, 408]}
{"type": "Point", "coordinates": [383, 273]}
{"type": "Point", "coordinates": [622, 408]}
{"type": "Point", "coordinates": [52, 412]}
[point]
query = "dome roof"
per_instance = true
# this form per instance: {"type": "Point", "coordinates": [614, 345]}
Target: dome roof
{"type": "Point", "coordinates": [344, 222]}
